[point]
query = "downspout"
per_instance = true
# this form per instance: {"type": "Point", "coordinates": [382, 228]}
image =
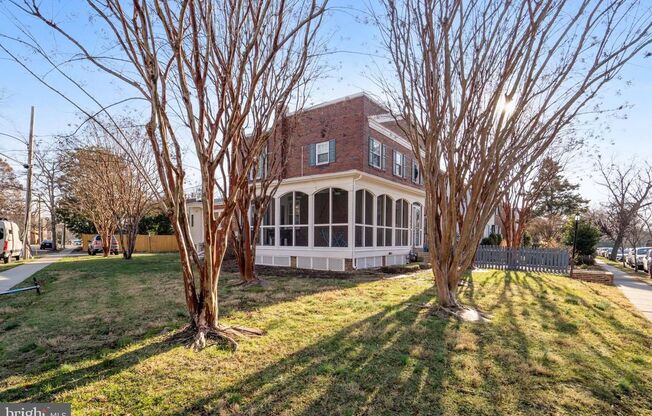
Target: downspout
{"type": "Point", "coordinates": [353, 223]}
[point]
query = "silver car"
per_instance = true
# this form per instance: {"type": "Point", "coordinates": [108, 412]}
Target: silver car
{"type": "Point", "coordinates": [647, 261]}
{"type": "Point", "coordinates": [636, 260]}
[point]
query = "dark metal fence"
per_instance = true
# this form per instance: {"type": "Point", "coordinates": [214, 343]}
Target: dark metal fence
{"type": "Point", "coordinates": [524, 259]}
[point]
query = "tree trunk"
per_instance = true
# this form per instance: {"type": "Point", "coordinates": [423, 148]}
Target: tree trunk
{"type": "Point", "coordinates": [106, 243]}
{"type": "Point", "coordinates": [617, 243]}
{"type": "Point", "coordinates": [446, 289]}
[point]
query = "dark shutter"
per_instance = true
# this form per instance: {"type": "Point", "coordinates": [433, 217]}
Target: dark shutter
{"type": "Point", "coordinates": [383, 156]}
{"type": "Point", "coordinates": [405, 166]}
{"type": "Point", "coordinates": [312, 154]}
{"type": "Point", "coordinates": [393, 163]}
{"type": "Point", "coordinates": [331, 151]}
{"type": "Point", "coordinates": [370, 154]}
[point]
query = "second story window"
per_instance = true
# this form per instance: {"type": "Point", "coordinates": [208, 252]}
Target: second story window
{"type": "Point", "coordinates": [322, 153]}
{"type": "Point", "coordinates": [416, 173]}
{"type": "Point", "coordinates": [376, 154]}
{"type": "Point", "coordinates": [261, 169]}
{"type": "Point", "coordinates": [399, 164]}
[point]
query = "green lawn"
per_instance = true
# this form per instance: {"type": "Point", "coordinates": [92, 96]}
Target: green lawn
{"type": "Point", "coordinates": [102, 337]}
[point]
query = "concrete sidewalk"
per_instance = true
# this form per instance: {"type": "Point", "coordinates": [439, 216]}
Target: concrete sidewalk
{"type": "Point", "coordinates": [637, 291]}
{"type": "Point", "coordinates": [16, 275]}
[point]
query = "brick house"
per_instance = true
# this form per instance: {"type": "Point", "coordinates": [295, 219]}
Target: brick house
{"type": "Point", "coordinates": [351, 196]}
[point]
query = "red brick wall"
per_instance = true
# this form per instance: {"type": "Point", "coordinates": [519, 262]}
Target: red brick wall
{"type": "Point", "coordinates": [373, 109]}
{"type": "Point", "coordinates": [346, 122]}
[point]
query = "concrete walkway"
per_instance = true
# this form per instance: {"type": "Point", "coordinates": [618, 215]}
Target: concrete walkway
{"type": "Point", "coordinates": [15, 275]}
{"type": "Point", "coordinates": [637, 291]}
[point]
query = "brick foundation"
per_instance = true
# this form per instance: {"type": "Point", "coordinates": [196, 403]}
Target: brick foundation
{"type": "Point", "coordinates": [594, 276]}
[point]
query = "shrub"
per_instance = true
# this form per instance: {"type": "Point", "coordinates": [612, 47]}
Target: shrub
{"type": "Point", "coordinates": [588, 237]}
{"type": "Point", "coordinates": [493, 240]}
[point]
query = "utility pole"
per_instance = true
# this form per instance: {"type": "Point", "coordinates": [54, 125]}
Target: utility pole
{"type": "Point", "coordinates": [27, 250]}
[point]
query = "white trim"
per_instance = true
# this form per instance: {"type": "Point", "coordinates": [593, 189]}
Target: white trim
{"type": "Point", "coordinates": [384, 118]}
{"type": "Point", "coordinates": [401, 187]}
{"type": "Point", "coordinates": [390, 134]}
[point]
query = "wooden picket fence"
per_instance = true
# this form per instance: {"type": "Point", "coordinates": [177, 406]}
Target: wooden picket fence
{"type": "Point", "coordinates": [524, 259]}
{"type": "Point", "coordinates": [145, 243]}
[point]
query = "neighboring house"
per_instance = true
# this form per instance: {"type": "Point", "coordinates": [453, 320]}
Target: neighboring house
{"type": "Point", "coordinates": [352, 195]}
{"type": "Point", "coordinates": [196, 219]}
{"type": "Point", "coordinates": [493, 226]}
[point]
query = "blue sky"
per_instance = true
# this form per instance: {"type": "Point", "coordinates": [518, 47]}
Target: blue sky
{"type": "Point", "coordinates": [354, 56]}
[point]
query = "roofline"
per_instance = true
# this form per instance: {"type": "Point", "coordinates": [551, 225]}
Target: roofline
{"type": "Point", "coordinates": [338, 100]}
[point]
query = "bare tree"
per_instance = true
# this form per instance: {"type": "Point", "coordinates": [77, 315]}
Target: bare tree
{"type": "Point", "coordinates": [91, 183]}
{"type": "Point", "coordinates": [629, 190]}
{"type": "Point", "coordinates": [48, 183]}
{"type": "Point", "coordinates": [201, 65]}
{"type": "Point", "coordinates": [12, 202]}
{"type": "Point", "coordinates": [131, 182]}
{"type": "Point", "coordinates": [484, 88]}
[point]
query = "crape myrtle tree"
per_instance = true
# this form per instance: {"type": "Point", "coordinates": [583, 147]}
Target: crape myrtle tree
{"type": "Point", "coordinates": [253, 205]}
{"type": "Point", "coordinates": [483, 88]}
{"type": "Point", "coordinates": [540, 190]}
{"type": "Point", "coordinates": [89, 181]}
{"type": "Point", "coordinates": [208, 71]}
{"type": "Point", "coordinates": [134, 189]}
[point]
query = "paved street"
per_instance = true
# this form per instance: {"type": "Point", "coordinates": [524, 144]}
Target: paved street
{"type": "Point", "coordinates": [638, 292]}
{"type": "Point", "coordinates": [15, 275]}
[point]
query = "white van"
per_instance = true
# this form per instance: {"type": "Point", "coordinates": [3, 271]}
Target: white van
{"type": "Point", "coordinates": [10, 244]}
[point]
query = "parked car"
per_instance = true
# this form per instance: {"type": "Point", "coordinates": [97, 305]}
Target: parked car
{"type": "Point", "coordinates": [10, 242]}
{"type": "Point", "coordinates": [603, 251]}
{"type": "Point", "coordinates": [46, 244]}
{"type": "Point", "coordinates": [623, 253]}
{"type": "Point", "coordinates": [641, 253]}
{"type": "Point", "coordinates": [95, 245]}
{"type": "Point", "coordinates": [76, 242]}
{"type": "Point", "coordinates": [647, 261]}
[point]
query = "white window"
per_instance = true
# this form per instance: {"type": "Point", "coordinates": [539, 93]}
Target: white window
{"type": "Point", "coordinates": [364, 218]}
{"type": "Point", "coordinates": [416, 173]}
{"type": "Point", "coordinates": [294, 219]}
{"type": "Point", "coordinates": [331, 212]}
{"type": "Point", "coordinates": [399, 164]}
{"type": "Point", "coordinates": [261, 169]}
{"type": "Point", "coordinates": [384, 205]}
{"type": "Point", "coordinates": [375, 153]}
{"type": "Point", "coordinates": [402, 222]}
{"type": "Point", "coordinates": [417, 224]}
{"type": "Point", "coordinates": [267, 228]}
{"type": "Point", "coordinates": [322, 151]}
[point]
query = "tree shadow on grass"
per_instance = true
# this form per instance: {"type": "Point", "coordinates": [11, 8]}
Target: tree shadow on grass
{"type": "Point", "coordinates": [567, 324]}
{"type": "Point", "coordinates": [393, 362]}
{"type": "Point", "coordinates": [91, 306]}
{"type": "Point", "coordinates": [61, 380]}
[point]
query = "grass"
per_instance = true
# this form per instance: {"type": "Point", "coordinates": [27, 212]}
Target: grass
{"type": "Point", "coordinates": [101, 336]}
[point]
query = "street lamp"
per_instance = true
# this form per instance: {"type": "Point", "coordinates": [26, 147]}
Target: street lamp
{"type": "Point", "coordinates": [577, 221]}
